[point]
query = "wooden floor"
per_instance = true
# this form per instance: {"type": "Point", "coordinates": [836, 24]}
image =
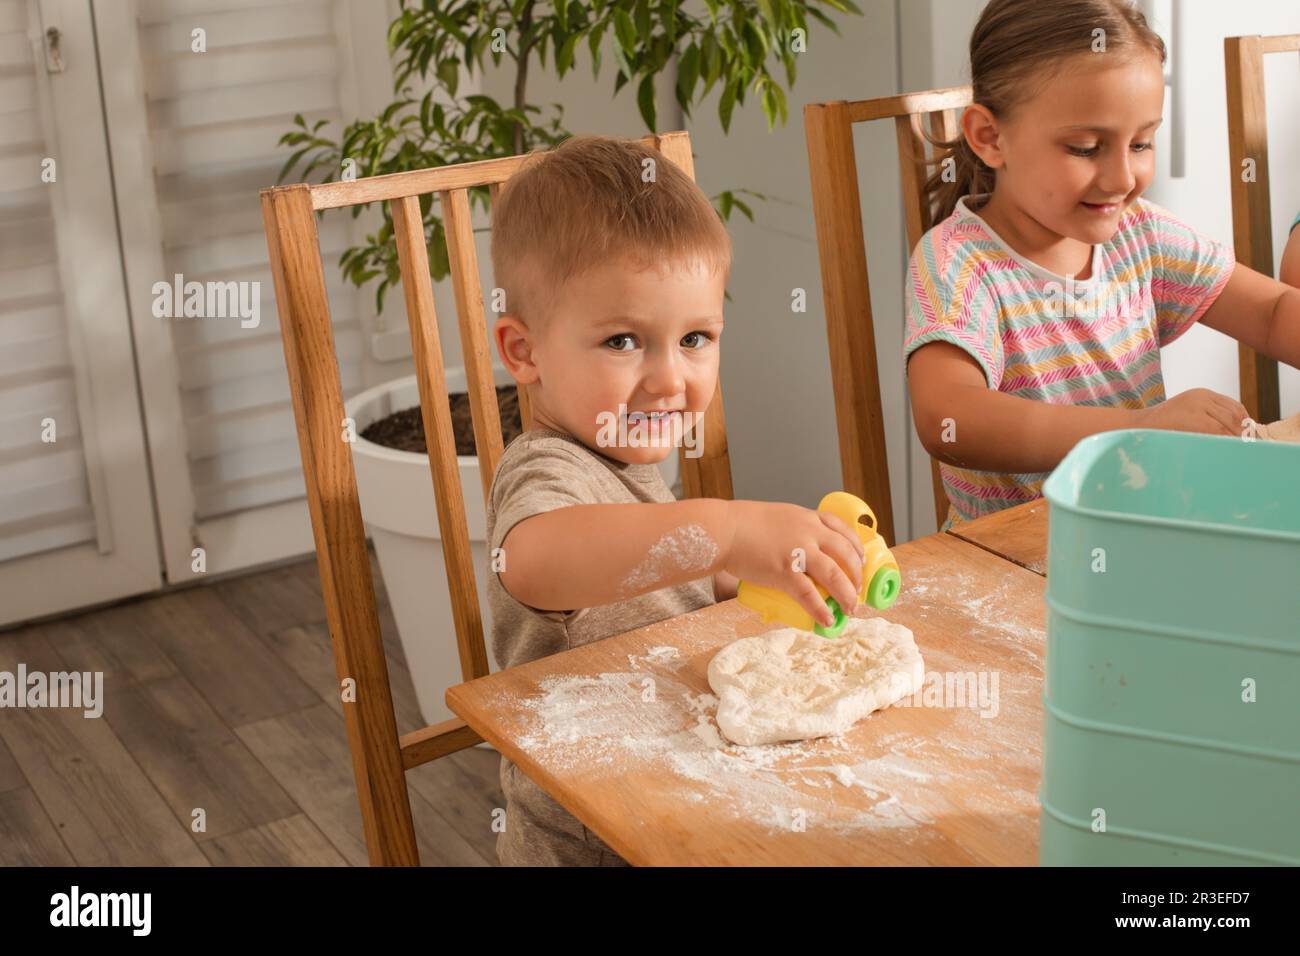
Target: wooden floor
{"type": "Point", "coordinates": [221, 698]}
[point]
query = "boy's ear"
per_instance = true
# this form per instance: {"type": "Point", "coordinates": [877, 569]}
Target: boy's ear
{"type": "Point", "coordinates": [515, 346]}
{"type": "Point", "coordinates": [980, 128]}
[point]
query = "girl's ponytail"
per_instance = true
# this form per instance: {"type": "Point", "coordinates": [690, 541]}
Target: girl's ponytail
{"type": "Point", "coordinates": [960, 173]}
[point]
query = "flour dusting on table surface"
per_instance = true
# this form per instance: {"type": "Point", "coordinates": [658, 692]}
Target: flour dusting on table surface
{"type": "Point", "coordinates": [650, 716]}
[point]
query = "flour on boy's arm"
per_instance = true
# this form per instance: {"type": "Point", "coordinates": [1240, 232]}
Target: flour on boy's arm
{"type": "Point", "coordinates": [688, 548]}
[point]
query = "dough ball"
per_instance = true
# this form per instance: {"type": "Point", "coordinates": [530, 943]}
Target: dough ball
{"type": "Point", "coordinates": [790, 684]}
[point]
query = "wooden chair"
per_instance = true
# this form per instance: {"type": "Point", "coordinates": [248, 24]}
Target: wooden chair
{"type": "Point", "coordinates": [850, 328]}
{"type": "Point", "coordinates": [379, 758]}
{"type": "Point", "coordinates": [1252, 222]}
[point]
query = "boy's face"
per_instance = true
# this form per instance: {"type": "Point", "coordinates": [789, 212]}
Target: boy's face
{"type": "Point", "coordinates": [635, 349]}
{"type": "Point", "coordinates": [1081, 151]}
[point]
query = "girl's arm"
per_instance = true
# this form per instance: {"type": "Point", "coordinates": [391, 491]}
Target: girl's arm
{"type": "Point", "coordinates": [992, 431]}
{"type": "Point", "coordinates": [1259, 312]}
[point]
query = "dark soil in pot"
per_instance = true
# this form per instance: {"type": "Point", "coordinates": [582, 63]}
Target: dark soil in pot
{"type": "Point", "coordinates": [404, 430]}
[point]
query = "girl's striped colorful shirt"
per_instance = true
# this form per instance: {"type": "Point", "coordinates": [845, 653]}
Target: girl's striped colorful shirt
{"type": "Point", "coordinates": [1053, 338]}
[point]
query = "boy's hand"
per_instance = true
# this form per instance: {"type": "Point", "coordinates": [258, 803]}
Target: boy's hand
{"type": "Point", "coordinates": [763, 552]}
{"type": "Point", "coordinates": [1197, 410]}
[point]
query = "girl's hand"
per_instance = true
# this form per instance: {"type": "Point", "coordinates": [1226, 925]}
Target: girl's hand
{"type": "Point", "coordinates": [763, 552]}
{"type": "Point", "coordinates": [1197, 410]}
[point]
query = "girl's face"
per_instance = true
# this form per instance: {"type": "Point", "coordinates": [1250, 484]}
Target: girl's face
{"type": "Point", "coordinates": [1075, 156]}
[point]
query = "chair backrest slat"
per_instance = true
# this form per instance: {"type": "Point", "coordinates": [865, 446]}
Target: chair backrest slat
{"type": "Point", "coordinates": [417, 287]}
{"type": "Point", "coordinates": [474, 345]}
{"type": "Point", "coordinates": [850, 332]}
{"type": "Point", "coordinates": [1252, 221]}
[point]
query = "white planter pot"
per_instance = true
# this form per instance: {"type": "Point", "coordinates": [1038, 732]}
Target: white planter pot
{"type": "Point", "coordinates": [398, 506]}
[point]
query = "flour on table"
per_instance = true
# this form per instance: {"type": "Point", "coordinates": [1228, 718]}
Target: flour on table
{"type": "Point", "coordinates": [791, 684]}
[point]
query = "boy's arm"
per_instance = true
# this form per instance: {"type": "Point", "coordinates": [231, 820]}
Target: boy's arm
{"type": "Point", "coordinates": [613, 552]}
{"type": "Point", "coordinates": [990, 430]}
{"type": "Point", "coordinates": [1259, 312]}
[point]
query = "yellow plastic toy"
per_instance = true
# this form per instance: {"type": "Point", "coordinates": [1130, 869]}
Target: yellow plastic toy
{"type": "Point", "coordinates": [881, 581]}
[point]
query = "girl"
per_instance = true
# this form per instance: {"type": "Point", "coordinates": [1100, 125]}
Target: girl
{"type": "Point", "coordinates": [1038, 305]}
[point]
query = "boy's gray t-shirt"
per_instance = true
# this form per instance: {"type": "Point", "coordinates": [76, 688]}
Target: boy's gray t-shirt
{"type": "Point", "coordinates": [540, 471]}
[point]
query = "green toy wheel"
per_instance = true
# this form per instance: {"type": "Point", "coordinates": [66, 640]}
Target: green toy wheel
{"type": "Point", "coordinates": [841, 620]}
{"type": "Point", "coordinates": [884, 589]}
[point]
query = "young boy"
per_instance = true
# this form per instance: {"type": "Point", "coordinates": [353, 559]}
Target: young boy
{"type": "Point", "coordinates": [614, 265]}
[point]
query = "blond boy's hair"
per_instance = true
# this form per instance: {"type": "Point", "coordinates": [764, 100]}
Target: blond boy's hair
{"type": "Point", "coordinates": [590, 200]}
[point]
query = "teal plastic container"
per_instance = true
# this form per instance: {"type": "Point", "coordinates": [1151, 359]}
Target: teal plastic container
{"type": "Point", "coordinates": [1173, 592]}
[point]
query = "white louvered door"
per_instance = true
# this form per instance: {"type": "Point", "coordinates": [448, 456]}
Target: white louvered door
{"type": "Point", "coordinates": [193, 139]}
{"type": "Point", "coordinates": [76, 523]}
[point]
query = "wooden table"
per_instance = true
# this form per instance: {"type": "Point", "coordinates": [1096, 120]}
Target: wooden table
{"type": "Point", "coordinates": [1018, 534]}
{"type": "Point", "coordinates": [620, 732]}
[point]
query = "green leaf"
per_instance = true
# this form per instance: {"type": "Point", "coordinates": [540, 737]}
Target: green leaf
{"type": "Point", "coordinates": [715, 65]}
{"type": "Point", "coordinates": [395, 31]}
{"type": "Point", "coordinates": [290, 163]}
{"type": "Point", "coordinates": [779, 95]}
{"type": "Point", "coordinates": [593, 42]}
{"type": "Point", "coordinates": [624, 66]}
{"type": "Point", "coordinates": [564, 58]}
{"type": "Point", "coordinates": [824, 20]}
{"type": "Point", "coordinates": [645, 101]}
{"type": "Point", "coordinates": [688, 72]}
{"type": "Point", "coordinates": [769, 106]}
{"type": "Point", "coordinates": [449, 75]}
{"type": "Point", "coordinates": [728, 103]}
{"type": "Point", "coordinates": [625, 31]}
{"type": "Point", "coordinates": [756, 41]}
{"type": "Point", "coordinates": [668, 16]}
